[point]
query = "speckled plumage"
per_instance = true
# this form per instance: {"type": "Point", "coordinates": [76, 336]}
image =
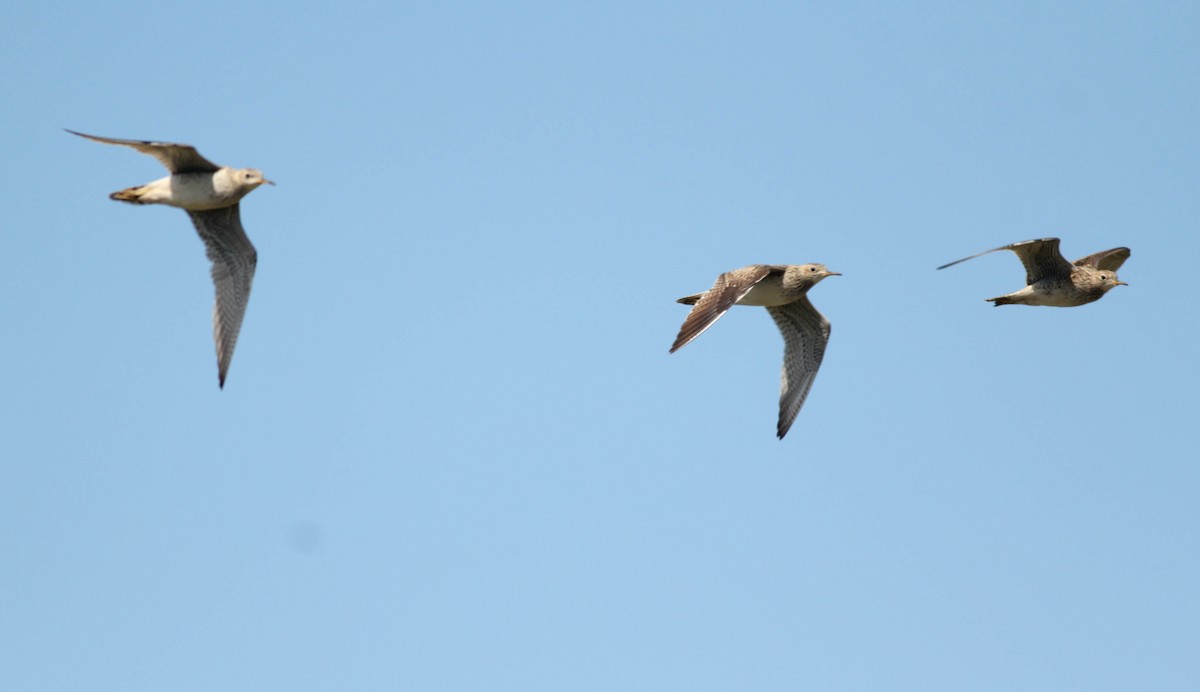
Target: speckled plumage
{"type": "Point", "coordinates": [782, 290]}
{"type": "Point", "coordinates": [210, 195]}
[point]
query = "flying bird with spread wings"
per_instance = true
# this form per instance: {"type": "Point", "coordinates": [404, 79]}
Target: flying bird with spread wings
{"type": "Point", "coordinates": [210, 194]}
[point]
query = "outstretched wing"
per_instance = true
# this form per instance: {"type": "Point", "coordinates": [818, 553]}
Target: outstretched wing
{"type": "Point", "coordinates": [709, 306]}
{"type": "Point", "coordinates": [1106, 260]}
{"type": "Point", "coordinates": [178, 158]}
{"type": "Point", "coordinates": [1041, 258]}
{"type": "Point", "coordinates": [233, 262]}
{"type": "Point", "coordinates": [805, 335]}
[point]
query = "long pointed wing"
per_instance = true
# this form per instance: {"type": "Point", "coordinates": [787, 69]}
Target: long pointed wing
{"type": "Point", "coordinates": [805, 335]}
{"type": "Point", "coordinates": [729, 288]}
{"type": "Point", "coordinates": [178, 158]}
{"type": "Point", "coordinates": [1041, 258]}
{"type": "Point", "coordinates": [233, 262]}
{"type": "Point", "coordinates": [1105, 260]}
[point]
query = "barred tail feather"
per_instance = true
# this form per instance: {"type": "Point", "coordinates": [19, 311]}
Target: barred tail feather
{"type": "Point", "coordinates": [133, 195]}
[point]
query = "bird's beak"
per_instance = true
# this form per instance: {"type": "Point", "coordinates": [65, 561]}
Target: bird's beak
{"type": "Point", "coordinates": [834, 274]}
{"type": "Point", "coordinates": [1120, 283]}
{"type": "Point", "coordinates": [269, 182]}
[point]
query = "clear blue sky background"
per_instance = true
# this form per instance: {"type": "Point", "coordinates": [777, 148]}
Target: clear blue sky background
{"type": "Point", "coordinates": [453, 452]}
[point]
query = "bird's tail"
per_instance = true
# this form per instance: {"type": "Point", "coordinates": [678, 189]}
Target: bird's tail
{"type": "Point", "coordinates": [133, 195]}
{"type": "Point", "coordinates": [1002, 300]}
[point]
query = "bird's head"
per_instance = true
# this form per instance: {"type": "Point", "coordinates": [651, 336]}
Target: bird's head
{"type": "Point", "coordinates": [251, 178]}
{"type": "Point", "coordinates": [812, 273]}
{"type": "Point", "coordinates": [1109, 281]}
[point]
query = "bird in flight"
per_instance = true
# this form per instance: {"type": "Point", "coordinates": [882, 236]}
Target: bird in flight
{"type": "Point", "coordinates": [1052, 280]}
{"type": "Point", "coordinates": [782, 290]}
{"type": "Point", "coordinates": [210, 194]}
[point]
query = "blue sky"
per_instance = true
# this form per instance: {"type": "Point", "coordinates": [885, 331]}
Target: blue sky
{"type": "Point", "coordinates": [453, 452]}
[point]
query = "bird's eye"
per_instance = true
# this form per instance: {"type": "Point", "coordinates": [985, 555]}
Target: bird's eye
{"type": "Point", "coordinates": [812, 269]}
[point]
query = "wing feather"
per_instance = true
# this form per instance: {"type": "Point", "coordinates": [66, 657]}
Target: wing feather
{"type": "Point", "coordinates": [178, 158]}
{"type": "Point", "coordinates": [1041, 258]}
{"type": "Point", "coordinates": [1105, 260]}
{"type": "Point", "coordinates": [234, 260]}
{"type": "Point", "coordinates": [729, 288]}
{"type": "Point", "coordinates": [805, 335]}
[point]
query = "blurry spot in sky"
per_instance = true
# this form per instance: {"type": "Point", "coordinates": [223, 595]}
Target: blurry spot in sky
{"type": "Point", "coordinates": [305, 537]}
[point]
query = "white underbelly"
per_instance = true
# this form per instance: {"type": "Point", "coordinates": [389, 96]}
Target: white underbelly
{"type": "Point", "coordinates": [1051, 295]}
{"type": "Point", "coordinates": [766, 293]}
{"type": "Point", "coordinates": [192, 191]}
{"type": "Point", "coordinates": [196, 192]}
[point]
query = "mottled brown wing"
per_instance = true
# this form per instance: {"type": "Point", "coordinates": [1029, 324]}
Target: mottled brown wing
{"type": "Point", "coordinates": [1041, 258]}
{"type": "Point", "coordinates": [1106, 260]}
{"type": "Point", "coordinates": [729, 288]}
{"type": "Point", "coordinates": [805, 335]}
{"type": "Point", "coordinates": [233, 262]}
{"type": "Point", "coordinates": [178, 158]}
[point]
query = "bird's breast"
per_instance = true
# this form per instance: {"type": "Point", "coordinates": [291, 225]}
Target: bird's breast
{"type": "Point", "coordinates": [202, 191]}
